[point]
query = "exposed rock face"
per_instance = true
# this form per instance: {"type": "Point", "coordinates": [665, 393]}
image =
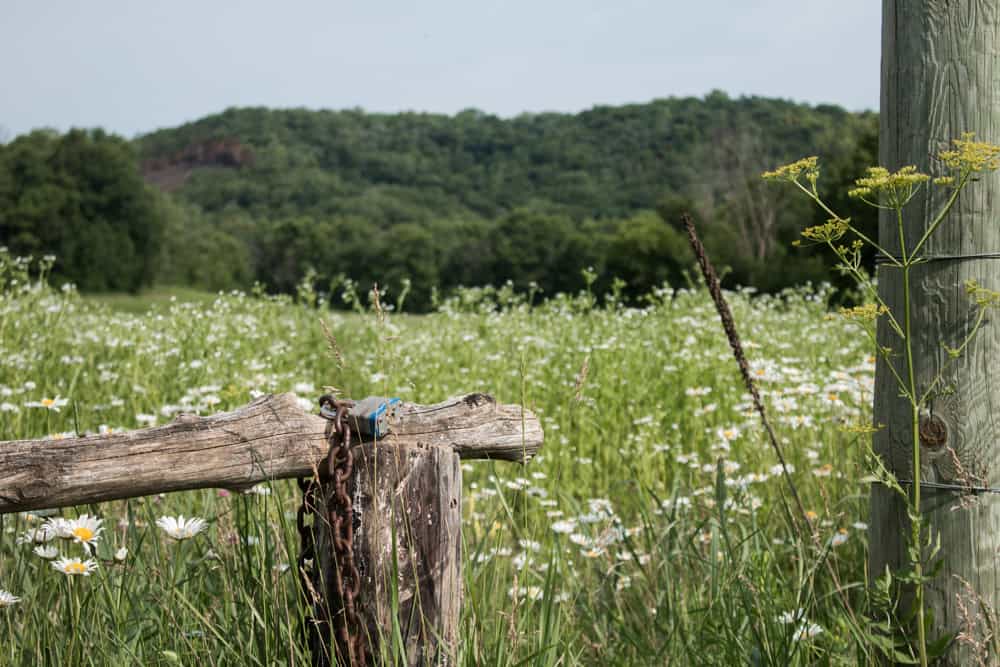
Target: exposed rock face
{"type": "Point", "coordinates": [169, 173]}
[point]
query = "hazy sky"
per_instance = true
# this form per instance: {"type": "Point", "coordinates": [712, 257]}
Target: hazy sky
{"type": "Point", "coordinates": [132, 66]}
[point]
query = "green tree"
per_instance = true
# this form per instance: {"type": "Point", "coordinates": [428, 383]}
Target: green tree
{"type": "Point", "coordinates": [645, 251]}
{"type": "Point", "coordinates": [79, 196]}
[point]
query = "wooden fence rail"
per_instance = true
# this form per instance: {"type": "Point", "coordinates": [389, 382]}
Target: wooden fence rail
{"type": "Point", "coordinates": [271, 438]}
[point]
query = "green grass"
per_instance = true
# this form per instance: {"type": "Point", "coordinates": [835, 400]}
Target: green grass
{"type": "Point", "coordinates": [650, 530]}
{"type": "Point", "coordinates": [160, 296]}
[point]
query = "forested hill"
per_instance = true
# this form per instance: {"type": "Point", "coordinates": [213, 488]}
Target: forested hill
{"type": "Point", "coordinates": [472, 199]}
{"type": "Point", "coordinates": [603, 163]}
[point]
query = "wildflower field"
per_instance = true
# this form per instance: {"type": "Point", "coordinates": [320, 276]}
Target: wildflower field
{"type": "Point", "coordinates": [652, 529]}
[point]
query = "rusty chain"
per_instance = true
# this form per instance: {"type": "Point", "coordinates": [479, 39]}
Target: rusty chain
{"type": "Point", "coordinates": [337, 469]}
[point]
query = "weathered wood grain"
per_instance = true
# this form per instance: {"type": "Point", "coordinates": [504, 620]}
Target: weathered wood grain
{"type": "Point", "coordinates": [271, 438]}
{"type": "Point", "coordinates": [407, 543]}
{"type": "Point", "coordinates": [940, 78]}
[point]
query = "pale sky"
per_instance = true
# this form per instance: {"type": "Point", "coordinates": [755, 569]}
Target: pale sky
{"type": "Point", "coordinates": [132, 66]}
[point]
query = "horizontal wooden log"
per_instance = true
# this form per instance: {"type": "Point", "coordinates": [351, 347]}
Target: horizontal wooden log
{"type": "Point", "coordinates": [271, 438]}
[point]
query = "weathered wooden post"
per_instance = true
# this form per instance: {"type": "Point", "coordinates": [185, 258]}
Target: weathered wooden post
{"type": "Point", "coordinates": [940, 78]}
{"type": "Point", "coordinates": [407, 550]}
{"type": "Point", "coordinates": [406, 539]}
{"type": "Point", "coordinates": [405, 493]}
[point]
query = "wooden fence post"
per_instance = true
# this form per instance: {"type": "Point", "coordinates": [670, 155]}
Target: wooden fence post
{"type": "Point", "coordinates": [407, 503]}
{"type": "Point", "coordinates": [940, 78]}
{"type": "Point", "coordinates": [407, 547]}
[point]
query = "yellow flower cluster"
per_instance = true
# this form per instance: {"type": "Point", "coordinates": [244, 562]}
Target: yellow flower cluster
{"type": "Point", "coordinates": [807, 166]}
{"type": "Point", "coordinates": [982, 296]}
{"type": "Point", "coordinates": [829, 232]}
{"type": "Point", "coordinates": [866, 313]}
{"type": "Point", "coordinates": [972, 155]}
{"type": "Point", "coordinates": [862, 427]}
{"type": "Point", "coordinates": [880, 179]}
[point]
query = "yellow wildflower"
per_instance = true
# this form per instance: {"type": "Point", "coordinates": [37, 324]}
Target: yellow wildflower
{"type": "Point", "coordinates": [807, 166]}
{"type": "Point", "coordinates": [867, 312]}
{"type": "Point", "coordinates": [880, 179]}
{"type": "Point", "coordinates": [972, 155]}
{"type": "Point", "coordinates": [982, 296]}
{"type": "Point", "coordinates": [831, 231]}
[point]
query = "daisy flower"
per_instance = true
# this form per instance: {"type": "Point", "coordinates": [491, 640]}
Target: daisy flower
{"type": "Point", "coordinates": [46, 552]}
{"type": "Point", "coordinates": [48, 403]}
{"type": "Point", "coordinates": [59, 527]}
{"type": "Point", "coordinates": [566, 526]}
{"type": "Point", "coordinates": [8, 599]}
{"type": "Point", "coordinates": [73, 566]}
{"type": "Point", "coordinates": [840, 537]}
{"type": "Point", "coordinates": [85, 530]}
{"type": "Point", "coordinates": [36, 535]}
{"type": "Point", "coordinates": [807, 631]}
{"type": "Point", "coordinates": [180, 528]}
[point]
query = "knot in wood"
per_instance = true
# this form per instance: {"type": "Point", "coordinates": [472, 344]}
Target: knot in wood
{"type": "Point", "coordinates": [477, 399]}
{"type": "Point", "coordinates": [933, 432]}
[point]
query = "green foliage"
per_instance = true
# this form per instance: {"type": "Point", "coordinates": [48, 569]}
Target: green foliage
{"type": "Point", "coordinates": [79, 197]}
{"type": "Point", "coordinates": [645, 251]}
{"type": "Point", "coordinates": [468, 200]}
{"type": "Point", "coordinates": [199, 252]}
{"type": "Point", "coordinates": [474, 199]}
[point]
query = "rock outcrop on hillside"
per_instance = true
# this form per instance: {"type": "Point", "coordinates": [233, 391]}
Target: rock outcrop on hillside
{"type": "Point", "coordinates": [169, 173]}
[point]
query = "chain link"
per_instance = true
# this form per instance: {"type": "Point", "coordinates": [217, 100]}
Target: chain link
{"type": "Point", "coordinates": [337, 470]}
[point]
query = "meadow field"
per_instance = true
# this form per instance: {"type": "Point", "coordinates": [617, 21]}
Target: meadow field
{"type": "Point", "coordinates": [651, 530]}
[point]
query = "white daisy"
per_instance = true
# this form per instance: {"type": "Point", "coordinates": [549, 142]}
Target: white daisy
{"type": "Point", "coordinates": [74, 566]}
{"type": "Point", "coordinates": [787, 617]}
{"type": "Point", "coordinates": [36, 535]}
{"type": "Point", "coordinates": [180, 528]}
{"type": "Point", "coordinates": [59, 527]}
{"type": "Point", "coordinates": [807, 631]}
{"type": "Point", "coordinates": [840, 537]}
{"type": "Point", "coordinates": [565, 526]}
{"type": "Point", "coordinates": [48, 403]}
{"type": "Point", "coordinates": [85, 530]}
{"type": "Point", "coordinates": [47, 552]}
{"type": "Point", "coordinates": [8, 599]}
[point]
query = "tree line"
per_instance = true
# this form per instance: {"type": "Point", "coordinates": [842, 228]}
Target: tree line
{"type": "Point", "coordinates": [471, 199]}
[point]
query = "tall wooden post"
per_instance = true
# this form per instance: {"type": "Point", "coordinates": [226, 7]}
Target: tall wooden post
{"type": "Point", "coordinates": [940, 78]}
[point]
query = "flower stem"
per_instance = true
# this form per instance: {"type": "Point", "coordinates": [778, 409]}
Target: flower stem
{"type": "Point", "coordinates": [915, 528]}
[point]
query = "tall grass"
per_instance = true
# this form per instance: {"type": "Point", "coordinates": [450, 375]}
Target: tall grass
{"type": "Point", "coordinates": [649, 531]}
